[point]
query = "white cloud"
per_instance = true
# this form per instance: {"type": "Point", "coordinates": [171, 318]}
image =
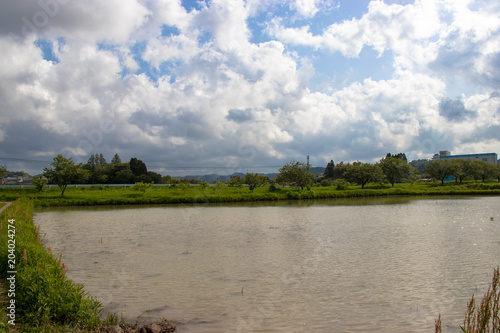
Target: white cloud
{"type": "Point", "coordinates": [306, 8]}
{"type": "Point", "coordinates": [384, 27]}
{"type": "Point", "coordinates": [207, 94]}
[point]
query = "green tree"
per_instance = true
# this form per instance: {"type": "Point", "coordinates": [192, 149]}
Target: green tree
{"type": "Point", "coordinates": [101, 161]}
{"type": "Point", "coordinates": [236, 181]}
{"type": "Point", "coordinates": [329, 169]}
{"type": "Point", "coordinates": [39, 183]}
{"type": "Point", "coordinates": [335, 171]}
{"type": "Point", "coordinates": [3, 170]}
{"type": "Point", "coordinates": [439, 169]}
{"type": "Point", "coordinates": [483, 170]}
{"type": "Point", "coordinates": [254, 180]}
{"type": "Point", "coordinates": [397, 170]}
{"type": "Point", "coordinates": [166, 179]}
{"type": "Point", "coordinates": [116, 159]}
{"type": "Point", "coordinates": [295, 173]}
{"type": "Point", "coordinates": [363, 173]}
{"type": "Point", "coordinates": [138, 167]}
{"type": "Point", "coordinates": [399, 156]}
{"type": "Point", "coordinates": [121, 174]}
{"type": "Point", "coordinates": [91, 163]}
{"type": "Point", "coordinates": [461, 169]}
{"type": "Point", "coordinates": [154, 176]}
{"type": "Point", "coordinates": [64, 171]}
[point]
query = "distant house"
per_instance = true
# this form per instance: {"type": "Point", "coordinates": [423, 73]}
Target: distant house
{"type": "Point", "coordinates": [17, 181]}
{"type": "Point", "coordinates": [9, 181]}
{"type": "Point", "coordinates": [488, 157]}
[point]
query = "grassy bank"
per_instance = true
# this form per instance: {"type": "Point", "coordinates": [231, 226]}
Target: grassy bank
{"type": "Point", "coordinates": [44, 299]}
{"type": "Point", "coordinates": [106, 195]}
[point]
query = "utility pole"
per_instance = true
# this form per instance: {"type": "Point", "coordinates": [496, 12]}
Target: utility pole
{"type": "Point", "coordinates": [307, 161]}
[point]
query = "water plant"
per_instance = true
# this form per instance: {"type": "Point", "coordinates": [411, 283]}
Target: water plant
{"type": "Point", "coordinates": [482, 317]}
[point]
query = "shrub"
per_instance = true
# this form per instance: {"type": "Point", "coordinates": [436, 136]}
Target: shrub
{"type": "Point", "coordinates": [142, 187]}
{"type": "Point", "coordinates": [341, 184]}
{"type": "Point", "coordinates": [273, 188]}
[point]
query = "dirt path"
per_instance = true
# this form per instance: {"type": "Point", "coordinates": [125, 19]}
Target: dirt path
{"type": "Point", "coordinates": [7, 204]}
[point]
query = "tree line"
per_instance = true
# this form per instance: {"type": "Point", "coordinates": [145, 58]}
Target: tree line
{"type": "Point", "coordinates": [391, 169]}
{"type": "Point", "coordinates": [396, 169]}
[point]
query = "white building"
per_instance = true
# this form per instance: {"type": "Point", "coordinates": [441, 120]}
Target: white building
{"type": "Point", "coordinates": [488, 157]}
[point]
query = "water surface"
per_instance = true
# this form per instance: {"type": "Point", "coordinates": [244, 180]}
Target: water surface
{"type": "Point", "coordinates": [377, 265]}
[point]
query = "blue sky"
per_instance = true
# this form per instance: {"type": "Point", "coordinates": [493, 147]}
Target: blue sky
{"type": "Point", "coordinates": [235, 85]}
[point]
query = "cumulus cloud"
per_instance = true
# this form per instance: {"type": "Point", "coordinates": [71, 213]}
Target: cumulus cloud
{"type": "Point", "coordinates": [200, 86]}
{"type": "Point", "coordinates": [454, 110]}
{"type": "Point", "coordinates": [88, 21]}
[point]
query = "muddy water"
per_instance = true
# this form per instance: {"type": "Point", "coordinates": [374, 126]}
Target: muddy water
{"type": "Point", "coordinates": [357, 266]}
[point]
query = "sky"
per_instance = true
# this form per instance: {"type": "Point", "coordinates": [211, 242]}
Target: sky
{"type": "Point", "coordinates": [223, 86]}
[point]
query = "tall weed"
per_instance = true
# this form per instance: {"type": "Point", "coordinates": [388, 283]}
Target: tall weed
{"type": "Point", "coordinates": [482, 317]}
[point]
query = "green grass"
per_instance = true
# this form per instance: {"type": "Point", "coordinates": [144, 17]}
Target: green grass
{"type": "Point", "coordinates": [104, 195]}
{"type": "Point", "coordinates": [45, 299]}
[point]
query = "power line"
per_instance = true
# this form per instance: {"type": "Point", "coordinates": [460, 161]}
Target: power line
{"type": "Point", "coordinates": [163, 166]}
{"type": "Point", "coordinates": [23, 160]}
{"type": "Point", "coordinates": [215, 167]}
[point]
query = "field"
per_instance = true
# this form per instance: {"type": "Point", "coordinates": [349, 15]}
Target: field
{"type": "Point", "coordinates": [50, 302]}
{"type": "Point", "coordinates": [110, 195]}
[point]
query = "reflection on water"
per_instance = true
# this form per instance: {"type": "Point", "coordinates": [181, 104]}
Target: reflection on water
{"type": "Point", "coordinates": [380, 265]}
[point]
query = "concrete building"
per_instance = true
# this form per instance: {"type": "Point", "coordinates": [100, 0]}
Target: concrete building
{"type": "Point", "coordinates": [488, 157]}
{"type": "Point", "coordinates": [441, 153]}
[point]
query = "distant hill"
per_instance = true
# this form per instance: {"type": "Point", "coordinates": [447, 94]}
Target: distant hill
{"type": "Point", "coordinates": [213, 178]}
{"type": "Point", "coordinates": [317, 170]}
{"type": "Point", "coordinates": [16, 174]}
{"type": "Point", "coordinates": [420, 165]}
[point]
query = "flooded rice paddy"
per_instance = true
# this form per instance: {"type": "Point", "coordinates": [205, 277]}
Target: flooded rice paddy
{"type": "Point", "coordinates": [357, 265]}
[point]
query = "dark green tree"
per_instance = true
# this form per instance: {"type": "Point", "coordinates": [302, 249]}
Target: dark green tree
{"type": "Point", "coordinates": [138, 167]}
{"type": "Point", "coordinates": [116, 159]}
{"type": "Point", "coordinates": [335, 171]}
{"type": "Point", "coordinates": [91, 163]}
{"type": "Point", "coordinates": [101, 161]}
{"type": "Point", "coordinates": [155, 177]}
{"type": "Point", "coordinates": [121, 174]}
{"type": "Point", "coordinates": [400, 156]}
{"type": "Point", "coordinates": [64, 171]}
{"type": "Point", "coordinates": [329, 169]}
{"type": "Point", "coordinates": [363, 173]}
